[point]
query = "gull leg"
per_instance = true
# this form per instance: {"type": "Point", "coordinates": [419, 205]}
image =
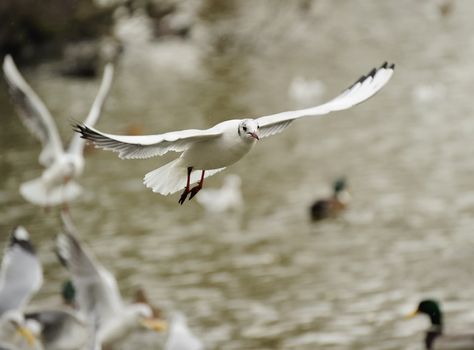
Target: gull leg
{"type": "Point", "coordinates": [198, 187]}
{"type": "Point", "coordinates": [186, 189]}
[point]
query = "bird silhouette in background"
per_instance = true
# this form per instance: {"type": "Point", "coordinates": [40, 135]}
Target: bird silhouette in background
{"type": "Point", "coordinates": [63, 166]}
{"type": "Point", "coordinates": [331, 206]}
{"type": "Point", "coordinates": [227, 198]}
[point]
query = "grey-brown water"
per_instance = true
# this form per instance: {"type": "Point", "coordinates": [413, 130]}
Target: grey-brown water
{"type": "Point", "coordinates": [268, 278]}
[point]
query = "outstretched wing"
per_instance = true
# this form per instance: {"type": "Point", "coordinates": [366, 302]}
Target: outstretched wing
{"type": "Point", "coordinates": [77, 143]}
{"type": "Point", "coordinates": [96, 287]}
{"type": "Point", "coordinates": [146, 146]}
{"type": "Point", "coordinates": [364, 88]}
{"type": "Point", "coordinates": [33, 112]}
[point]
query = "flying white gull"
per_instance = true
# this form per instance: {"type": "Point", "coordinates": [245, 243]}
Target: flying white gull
{"type": "Point", "coordinates": [98, 295]}
{"type": "Point", "coordinates": [212, 150]}
{"type": "Point", "coordinates": [21, 276]}
{"type": "Point", "coordinates": [56, 184]}
{"type": "Point", "coordinates": [180, 336]}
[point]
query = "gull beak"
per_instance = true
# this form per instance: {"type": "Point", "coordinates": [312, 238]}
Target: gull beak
{"type": "Point", "coordinates": [26, 333]}
{"type": "Point", "coordinates": [154, 324]}
{"type": "Point", "coordinates": [412, 314]}
{"type": "Point", "coordinates": [254, 135]}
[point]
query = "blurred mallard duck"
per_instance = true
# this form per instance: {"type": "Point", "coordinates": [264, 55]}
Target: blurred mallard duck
{"type": "Point", "coordinates": [435, 338]}
{"type": "Point", "coordinates": [332, 206]}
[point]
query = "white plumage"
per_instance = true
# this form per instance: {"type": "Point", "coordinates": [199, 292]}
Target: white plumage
{"type": "Point", "coordinates": [56, 184]}
{"type": "Point", "coordinates": [213, 149]}
{"type": "Point", "coordinates": [180, 336]}
{"type": "Point", "coordinates": [21, 276]}
{"type": "Point", "coordinates": [98, 295]}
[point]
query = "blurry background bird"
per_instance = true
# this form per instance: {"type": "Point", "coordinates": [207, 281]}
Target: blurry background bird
{"type": "Point", "coordinates": [63, 166]}
{"type": "Point", "coordinates": [436, 337]}
{"type": "Point", "coordinates": [180, 337]}
{"type": "Point", "coordinates": [98, 295]}
{"type": "Point", "coordinates": [333, 205]}
{"type": "Point", "coordinates": [226, 198]}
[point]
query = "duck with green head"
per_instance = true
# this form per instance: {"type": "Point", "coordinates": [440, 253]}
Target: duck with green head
{"type": "Point", "coordinates": [334, 205]}
{"type": "Point", "coordinates": [435, 338]}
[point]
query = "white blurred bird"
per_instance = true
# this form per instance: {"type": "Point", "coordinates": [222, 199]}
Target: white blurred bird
{"type": "Point", "coordinates": [212, 150]}
{"type": "Point", "coordinates": [56, 184]}
{"type": "Point", "coordinates": [228, 197]}
{"type": "Point", "coordinates": [98, 295]}
{"type": "Point", "coordinates": [180, 336]}
{"type": "Point", "coordinates": [21, 276]}
{"type": "Point", "coordinates": [304, 91]}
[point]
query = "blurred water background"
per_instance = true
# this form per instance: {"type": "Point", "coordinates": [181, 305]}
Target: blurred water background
{"type": "Point", "coordinates": [268, 278]}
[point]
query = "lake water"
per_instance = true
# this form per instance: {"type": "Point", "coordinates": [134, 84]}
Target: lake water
{"type": "Point", "coordinates": [268, 278]}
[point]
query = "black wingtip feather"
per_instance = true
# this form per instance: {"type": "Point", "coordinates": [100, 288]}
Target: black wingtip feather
{"type": "Point", "coordinates": [372, 73]}
{"type": "Point", "coordinates": [83, 130]}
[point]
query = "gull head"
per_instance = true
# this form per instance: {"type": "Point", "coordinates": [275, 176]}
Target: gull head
{"type": "Point", "coordinates": [249, 130]}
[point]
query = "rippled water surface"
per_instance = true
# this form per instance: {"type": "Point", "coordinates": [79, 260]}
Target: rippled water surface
{"type": "Point", "coordinates": [267, 278]}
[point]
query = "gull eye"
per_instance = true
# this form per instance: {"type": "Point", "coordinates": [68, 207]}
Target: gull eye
{"type": "Point", "coordinates": [245, 128]}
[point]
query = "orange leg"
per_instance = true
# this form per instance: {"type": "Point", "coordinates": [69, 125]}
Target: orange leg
{"type": "Point", "coordinates": [198, 187]}
{"type": "Point", "coordinates": [186, 189]}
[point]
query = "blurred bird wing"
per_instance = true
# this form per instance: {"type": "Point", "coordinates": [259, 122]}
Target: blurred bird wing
{"type": "Point", "coordinates": [364, 88]}
{"type": "Point", "coordinates": [33, 113]}
{"type": "Point", "coordinates": [77, 143]}
{"type": "Point", "coordinates": [21, 274]}
{"type": "Point", "coordinates": [96, 287]}
{"type": "Point", "coordinates": [140, 147]}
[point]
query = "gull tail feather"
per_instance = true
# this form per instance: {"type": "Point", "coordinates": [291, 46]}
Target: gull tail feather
{"type": "Point", "coordinates": [36, 192]}
{"type": "Point", "coordinates": [171, 177]}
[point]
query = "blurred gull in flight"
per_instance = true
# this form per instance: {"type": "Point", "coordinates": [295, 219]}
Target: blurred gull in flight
{"type": "Point", "coordinates": [228, 197]}
{"type": "Point", "coordinates": [180, 336]}
{"type": "Point", "coordinates": [56, 184]}
{"type": "Point", "coordinates": [21, 276]}
{"type": "Point", "coordinates": [98, 295]}
{"type": "Point", "coordinates": [212, 150]}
